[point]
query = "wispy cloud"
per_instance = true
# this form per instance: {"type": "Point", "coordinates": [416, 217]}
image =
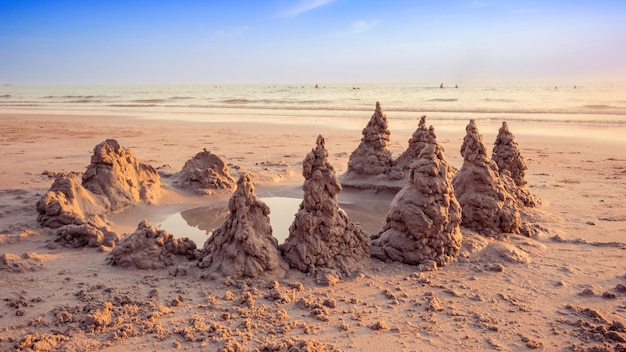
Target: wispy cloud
{"type": "Point", "coordinates": [303, 6]}
{"type": "Point", "coordinates": [230, 32]}
{"type": "Point", "coordinates": [359, 27]}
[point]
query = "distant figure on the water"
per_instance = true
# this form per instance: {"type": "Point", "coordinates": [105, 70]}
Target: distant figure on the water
{"type": "Point", "coordinates": [555, 87]}
{"type": "Point", "coordinates": [316, 86]}
{"type": "Point", "coordinates": [441, 85]}
{"type": "Point", "coordinates": [456, 86]}
{"type": "Point", "coordinates": [574, 86]}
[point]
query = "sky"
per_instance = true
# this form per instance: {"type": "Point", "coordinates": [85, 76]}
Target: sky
{"type": "Point", "coordinates": [88, 42]}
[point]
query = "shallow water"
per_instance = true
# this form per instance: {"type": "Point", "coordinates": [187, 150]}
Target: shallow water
{"type": "Point", "coordinates": [198, 223]}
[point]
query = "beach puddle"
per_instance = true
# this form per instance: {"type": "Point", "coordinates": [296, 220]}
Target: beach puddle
{"type": "Point", "coordinates": [198, 223]}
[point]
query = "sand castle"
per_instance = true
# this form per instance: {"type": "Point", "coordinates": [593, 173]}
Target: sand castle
{"type": "Point", "coordinates": [205, 173]}
{"type": "Point", "coordinates": [151, 248]}
{"type": "Point", "coordinates": [244, 246]}
{"type": "Point", "coordinates": [322, 236]}
{"type": "Point", "coordinates": [507, 156]}
{"type": "Point", "coordinates": [371, 164]}
{"type": "Point", "coordinates": [488, 208]}
{"type": "Point", "coordinates": [422, 225]}
{"type": "Point", "coordinates": [114, 180]}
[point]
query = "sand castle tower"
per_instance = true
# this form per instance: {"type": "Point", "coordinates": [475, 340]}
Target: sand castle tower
{"type": "Point", "coordinates": [119, 177]}
{"type": "Point", "coordinates": [322, 236]}
{"type": "Point", "coordinates": [371, 162]}
{"type": "Point", "coordinates": [507, 156]}
{"type": "Point", "coordinates": [488, 208]}
{"type": "Point", "coordinates": [205, 173]}
{"type": "Point", "coordinates": [418, 141]}
{"type": "Point", "coordinates": [244, 246]}
{"type": "Point", "coordinates": [151, 248]}
{"type": "Point", "coordinates": [422, 225]}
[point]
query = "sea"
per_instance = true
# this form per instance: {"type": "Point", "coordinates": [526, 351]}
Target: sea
{"type": "Point", "coordinates": [601, 104]}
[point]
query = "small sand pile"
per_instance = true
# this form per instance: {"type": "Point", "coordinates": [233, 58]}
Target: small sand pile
{"type": "Point", "coordinates": [151, 248]}
{"type": "Point", "coordinates": [205, 173]}
{"type": "Point", "coordinates": [322, 236]}
{"type": "Point", "coordinates": [244, 246]}
{"type": "Point", "coordinates": [507, 156]}
{"type": "Point", "coordinates": [115, 179]}
{"type": "Point", "coordinates": [118, 176]}
{"type": "Point", "coordinates": [370, 164]}
{"type": "Point", "coordinates": [74, 214]}
{"type": "Point", "coordinates": [422, 226]}
{"type": "Point", "coordinates": [488, 208]}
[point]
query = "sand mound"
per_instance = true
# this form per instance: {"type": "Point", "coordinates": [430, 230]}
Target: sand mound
{"type": "Point", "coordinates": [322, 236]}
{"type": "Point", "coordinates": [370, 164]}
{"type": "Point", "coordinates": [151, 248]}
{"type": "Point", "coordinates": [114, 179]}
{"type": "Point", "coordinates": [28, 261]}
{"type": "Point", "coordinates": [119, 177]}
{"type": "Point", "coordinates": [74, 214]}
{"type": "Point", "coordinates": [67, 202]}
{"type": "Point", "coordinates": [507, 156]}
{"type": "Point", "coordinates": [488, 208]}
{"type": "Point", "coordinates": [244, 246]}
{"type": "Point", "coordinates": [422, 226]}
{"type": "Point", "coordinates": [205, 173]}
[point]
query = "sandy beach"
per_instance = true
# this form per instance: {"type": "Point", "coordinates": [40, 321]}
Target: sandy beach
{"type": "Point", "coordinates": [563, 289]}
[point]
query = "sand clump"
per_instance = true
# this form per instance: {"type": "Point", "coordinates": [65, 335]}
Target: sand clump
{"type": "Point", "coordinates": [322, 236]}
{"type": "Point", "coordinates": [244, 246]}
{"type": "Point", "coordinates": [422, 225]}
{"type": "Point", "coordinates": [205, 173]}
{"type": "Point", "coordinates": [151, 248]}
{"type": "Point", "coordinates": [507, 156]}
{"type": "Point", "coordinates": [371, 164]}
{"type": "Point", "coordinates": [488, 208]}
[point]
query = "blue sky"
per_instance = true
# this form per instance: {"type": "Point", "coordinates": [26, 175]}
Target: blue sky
{"type": "Point", "coordinates": [311, 41]}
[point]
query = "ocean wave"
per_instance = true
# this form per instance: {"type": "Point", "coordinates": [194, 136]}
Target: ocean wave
{"type": "Point", "coordinates": [444, 100]}
{"type": "Point", "coordinates": [149, 101]}
{"type": "Point", "coordinates": [132, 105]}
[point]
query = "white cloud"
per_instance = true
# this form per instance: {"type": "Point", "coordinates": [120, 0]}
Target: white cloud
{"type": "Point", "coordinates": [303, 6]}
{"type": "Point", "coordinates": [359, 27]}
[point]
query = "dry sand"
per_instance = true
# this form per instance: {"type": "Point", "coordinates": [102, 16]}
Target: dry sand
{"type": "Point", "coordinates": [564, 289]}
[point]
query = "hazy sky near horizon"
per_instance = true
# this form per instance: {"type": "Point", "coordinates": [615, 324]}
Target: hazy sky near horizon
{"type": "Point", "coordinates": [311, 41]}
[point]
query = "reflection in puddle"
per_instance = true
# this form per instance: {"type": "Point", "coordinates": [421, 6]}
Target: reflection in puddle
{"type": "Point", "coordinates": [197, 223]}
{"type": "Point", "coordinates": [282, 213]}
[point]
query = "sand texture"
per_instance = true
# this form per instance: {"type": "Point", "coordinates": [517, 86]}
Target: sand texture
{"type": "Point", "coordinates": [243, 246]}
{"type": "Point", "coordinates": [562, 289]}
{"type": "Point", "coordinates": [422, 225]}
{"type": "Point", "coordinates": [322, 236]}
